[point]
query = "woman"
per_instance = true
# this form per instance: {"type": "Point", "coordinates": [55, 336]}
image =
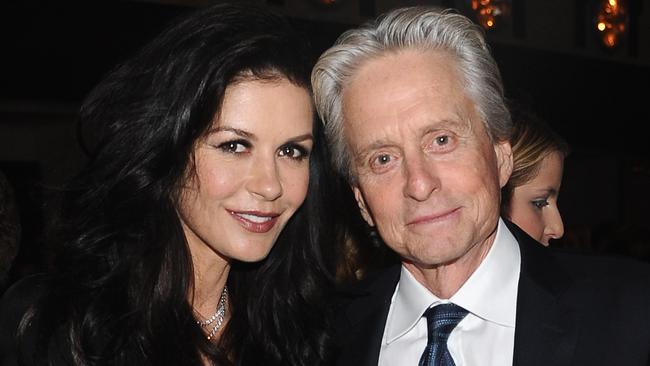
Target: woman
{"type": "Point", "coordinates": [186, 238]}
{"type": "Point", "coordinates": [529, 199]}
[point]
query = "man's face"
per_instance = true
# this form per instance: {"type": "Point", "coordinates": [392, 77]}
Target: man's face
{"type": "Point", "coordinates": [428, 176]}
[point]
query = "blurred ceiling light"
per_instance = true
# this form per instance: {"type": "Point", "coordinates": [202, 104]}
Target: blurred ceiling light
{"type": "Point", "coordinates": [328, 2]}
{"type": "Point", "coordinates": [611, 22]}
{"type": "Point", "coordinates": [488, 12]}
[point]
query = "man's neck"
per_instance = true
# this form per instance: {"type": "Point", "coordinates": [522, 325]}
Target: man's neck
{"type": "Point", "coordinates": [444, 280]}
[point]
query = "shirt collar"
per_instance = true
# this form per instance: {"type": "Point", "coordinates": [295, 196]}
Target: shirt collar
{"type": "Point", "coordinates": [490, 293]}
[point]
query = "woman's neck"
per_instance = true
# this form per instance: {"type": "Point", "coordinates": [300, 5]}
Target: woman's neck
{"type": "Point", "coordinates": [210, 277]}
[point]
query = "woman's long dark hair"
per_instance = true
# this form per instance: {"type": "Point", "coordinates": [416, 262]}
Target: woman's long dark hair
{"type": "Point", "coordinates": [120, 296]}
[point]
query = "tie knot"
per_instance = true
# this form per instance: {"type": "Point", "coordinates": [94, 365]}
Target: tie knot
{"type": "Point", "coordinates": [442, 319]}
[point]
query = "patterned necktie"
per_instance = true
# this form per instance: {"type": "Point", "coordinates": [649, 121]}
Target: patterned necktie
{"type": "Point", "coordinates": [441, 320]}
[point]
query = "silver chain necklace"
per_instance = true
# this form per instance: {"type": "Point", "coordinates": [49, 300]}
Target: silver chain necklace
{"type": "Point", "coordinates": [217, 318]}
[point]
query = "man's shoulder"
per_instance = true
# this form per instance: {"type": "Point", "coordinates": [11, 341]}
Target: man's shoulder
{"type": "Point", "coordinates": [580, 275]}
{"type": "Point", "coordinates": [361, 314]}
{"type": "Point", "coordinates": [549, 264]}
{"type": "Point", "coordinates": [577, 298]}
{"type": "Point", "coordinates": [373, 282]}
{"type": "Point", "coordinates": [373, 291]}
{"type": "Point", "coordinates": [604, 269]}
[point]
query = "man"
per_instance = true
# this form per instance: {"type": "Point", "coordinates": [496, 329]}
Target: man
{"type": "Point", "coordinates": [414, 110]}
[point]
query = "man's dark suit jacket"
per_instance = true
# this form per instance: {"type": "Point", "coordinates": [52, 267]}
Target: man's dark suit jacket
{"type": "Point", "coordinates": [572, 309]}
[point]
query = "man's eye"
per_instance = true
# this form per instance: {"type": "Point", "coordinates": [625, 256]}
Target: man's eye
{"type": "Point", "coordinates": [382, 159]}
{"type": "Point", "coordinates": [442, 140]}
{"type": "Point", "coordinates": [382, 162]}
{"type": "Point", "coordinates": [442, 143]}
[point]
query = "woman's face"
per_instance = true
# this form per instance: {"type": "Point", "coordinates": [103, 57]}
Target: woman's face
{"type": "Point", "coordinates": [534, 205]}
{"type": "Point", "coordinates": [251, 171]}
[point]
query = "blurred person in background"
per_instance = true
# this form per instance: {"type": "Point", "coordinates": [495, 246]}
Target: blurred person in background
{"type": "Point", "coordinates": [530, 197]}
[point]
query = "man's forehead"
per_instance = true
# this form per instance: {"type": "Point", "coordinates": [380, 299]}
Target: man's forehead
{"type": "Point", "coordinates": [397, 85]}
{"type": "Point", "coordinates": [416, 108]}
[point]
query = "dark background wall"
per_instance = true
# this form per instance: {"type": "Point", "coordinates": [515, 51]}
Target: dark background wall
{"type": "Point", "coordinates": [52, 54]}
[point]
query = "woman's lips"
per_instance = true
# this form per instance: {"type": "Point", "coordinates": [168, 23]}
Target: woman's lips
{"type": "Point", "coordinates": [256, 222]}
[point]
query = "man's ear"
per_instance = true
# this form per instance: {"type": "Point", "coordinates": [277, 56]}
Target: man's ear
{"type": "Point", "coordinates": [503, 152]}
{"type": "Point", "coordinates": [361, 202]}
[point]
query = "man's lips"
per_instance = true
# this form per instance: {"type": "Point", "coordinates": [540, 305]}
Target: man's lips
{"type": "Point", "coordinates": [431, 218]}
{"type": "Point", "coordinates": [255, 221]}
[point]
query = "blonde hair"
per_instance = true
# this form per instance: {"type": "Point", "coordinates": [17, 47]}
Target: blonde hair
{"type": "Point", "coordinates": [532, 140]}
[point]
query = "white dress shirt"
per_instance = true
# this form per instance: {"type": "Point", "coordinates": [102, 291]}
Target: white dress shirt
{"type": "Point", "coordinates": [485, 337]}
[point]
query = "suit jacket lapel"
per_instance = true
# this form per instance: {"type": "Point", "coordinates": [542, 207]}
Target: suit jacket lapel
{"type": "Point", "coordinates": [547, 325]}
{"type": "Point", "coordinates": [365, 319]}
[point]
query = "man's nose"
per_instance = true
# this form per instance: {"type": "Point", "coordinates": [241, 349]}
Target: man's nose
{"type": "Point", "coordinates": [421, 178]}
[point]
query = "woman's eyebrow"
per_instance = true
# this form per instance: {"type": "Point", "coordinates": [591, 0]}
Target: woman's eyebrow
{"type": "Point", "coordinates": [236, 131]}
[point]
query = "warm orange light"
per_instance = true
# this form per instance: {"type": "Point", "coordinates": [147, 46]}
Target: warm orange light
{"type": "Point", "coordinates": [488, 11]}
{"type": "Point", "coordinates": [610, 21]}
{"type": "Point", "coordinates": [610, 40]}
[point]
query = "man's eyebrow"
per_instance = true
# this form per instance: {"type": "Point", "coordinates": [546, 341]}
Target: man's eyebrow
{"type": "Point", "coordinates": [445, 123]}
{"type": "Point", "coordinates": [373, 146]}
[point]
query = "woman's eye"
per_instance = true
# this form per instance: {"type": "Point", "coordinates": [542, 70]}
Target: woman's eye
{"type": "Point", "coordinates": [540, 203]}
{"type": "Point", "coordinates": [234, 146]}
{"type": "Point", "coordinates": [293, 151]}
